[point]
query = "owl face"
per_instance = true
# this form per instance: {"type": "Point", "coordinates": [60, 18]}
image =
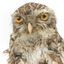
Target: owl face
{"type": "Point", "coordinates": [33, 17]}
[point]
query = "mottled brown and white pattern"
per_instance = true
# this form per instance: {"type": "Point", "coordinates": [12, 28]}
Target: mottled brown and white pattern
{"type": "Point", "coordinates": [35, 41]}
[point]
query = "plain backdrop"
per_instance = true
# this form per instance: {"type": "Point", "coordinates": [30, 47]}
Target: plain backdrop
{"type": "Point", "coordinates": [7, 7]}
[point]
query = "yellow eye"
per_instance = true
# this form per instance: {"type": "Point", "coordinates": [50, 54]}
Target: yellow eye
{"type": "Point", "coordinates": [19, 19]}
{"type": "Point", "coordinates": [44, 17]}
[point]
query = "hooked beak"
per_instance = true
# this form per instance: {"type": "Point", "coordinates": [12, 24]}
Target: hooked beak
{"type": "Point", "coordinates": [30, 28]}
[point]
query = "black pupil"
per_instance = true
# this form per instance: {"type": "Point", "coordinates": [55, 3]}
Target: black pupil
{"type": "Point", "coordinates": [44, 16]}
{"type": "Point", "coordinates": [18, 18]}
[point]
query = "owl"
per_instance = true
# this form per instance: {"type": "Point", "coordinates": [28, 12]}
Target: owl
{"type": "Point", "coordinates": [35, 39]}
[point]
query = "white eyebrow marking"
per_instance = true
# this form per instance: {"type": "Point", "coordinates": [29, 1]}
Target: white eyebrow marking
{"type": "Point", "coordinates": [37, 12]}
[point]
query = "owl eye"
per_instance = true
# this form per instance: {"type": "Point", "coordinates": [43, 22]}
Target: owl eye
{"type": "Point", "coordinates": [44, 17]}
{"type": "Point", "coordinates": [19, 19]}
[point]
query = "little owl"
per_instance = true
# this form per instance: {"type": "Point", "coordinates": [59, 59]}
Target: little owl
{"type": "Point", "coordinates": [35, 39]}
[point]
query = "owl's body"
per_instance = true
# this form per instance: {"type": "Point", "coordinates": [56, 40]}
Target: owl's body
{"type": "Point", "coordinates": [35, 40]}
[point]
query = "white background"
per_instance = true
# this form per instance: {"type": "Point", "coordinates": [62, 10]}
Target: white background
{"type": "Point", "coordinates": [7, 7]}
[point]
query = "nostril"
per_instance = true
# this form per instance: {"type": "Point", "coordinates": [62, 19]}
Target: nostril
{"type": "Point", "coordinates": [18, 54]}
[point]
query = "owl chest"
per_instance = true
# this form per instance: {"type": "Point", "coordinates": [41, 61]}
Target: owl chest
{"type": "Point", "coordinates": [31, 46]}
{"type": "Point", "coordinates": [31, 49]}
{"type": "Point", "coordinates": [34, 57]}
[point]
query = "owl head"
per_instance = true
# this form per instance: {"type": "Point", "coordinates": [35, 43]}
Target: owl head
{"type": "Point", "coordinates": [33, 17]}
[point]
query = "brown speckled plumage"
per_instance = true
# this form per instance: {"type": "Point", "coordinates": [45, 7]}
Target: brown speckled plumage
{"type": "Point", "coordinates": [43, 46]}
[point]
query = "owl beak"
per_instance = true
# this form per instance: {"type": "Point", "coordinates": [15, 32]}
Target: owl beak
{"type": "Point", "coordinates": [30, 28]}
